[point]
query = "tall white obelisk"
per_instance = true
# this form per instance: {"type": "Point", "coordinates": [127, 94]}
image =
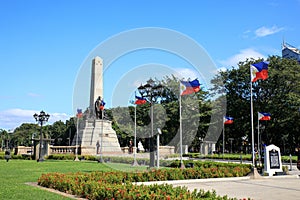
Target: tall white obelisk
{"type": "Point", "coordinates": [96, 136]}
{"type": "Point", "coordinates": [96, 82]}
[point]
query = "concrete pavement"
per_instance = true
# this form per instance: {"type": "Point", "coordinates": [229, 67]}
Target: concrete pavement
{"type": "Point", "coordinates": [274, 187]}
{"type": "Point", "coordinates": [280, 187]}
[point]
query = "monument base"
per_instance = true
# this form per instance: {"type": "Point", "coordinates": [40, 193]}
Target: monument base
{"type": "Point", "coordinates": [96, 136]}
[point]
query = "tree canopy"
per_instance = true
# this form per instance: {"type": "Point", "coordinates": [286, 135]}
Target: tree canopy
{"type": "Point", "coordinates": [278, 95]}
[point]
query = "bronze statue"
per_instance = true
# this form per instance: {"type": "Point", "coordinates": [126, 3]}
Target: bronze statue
{"type": "Point", "coordinates": [99, 108]}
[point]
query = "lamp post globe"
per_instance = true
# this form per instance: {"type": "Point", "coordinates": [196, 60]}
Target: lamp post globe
{"type": "Point", "coordinates": [41, 118]}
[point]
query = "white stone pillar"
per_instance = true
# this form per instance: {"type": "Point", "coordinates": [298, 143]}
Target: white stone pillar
{"type": "Point", "coordinates": [96, 82]}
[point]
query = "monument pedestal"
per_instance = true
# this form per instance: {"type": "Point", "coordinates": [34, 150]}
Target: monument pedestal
{"type": "Point", "coordinates": [96, 136]}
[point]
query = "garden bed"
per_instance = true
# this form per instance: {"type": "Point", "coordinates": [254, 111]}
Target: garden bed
{"type": "Point", "coordinates": [119, 185]}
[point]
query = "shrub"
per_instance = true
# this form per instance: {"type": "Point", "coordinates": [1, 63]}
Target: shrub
{"type": "Point", "coordinates": [87, 186]}
{"type": "Point", "coordinates": [118, 185]}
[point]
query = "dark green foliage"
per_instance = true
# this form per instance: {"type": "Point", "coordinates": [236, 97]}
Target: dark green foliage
{"type": "Point", "coordinates": [279, 95]}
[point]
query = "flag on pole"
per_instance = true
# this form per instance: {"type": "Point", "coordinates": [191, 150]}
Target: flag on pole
{"type": "Point", "coordinates": [102, 104]}
{"type": "Point", "coordinates": [264, 116]}
{"type": "Point", "coordinates": [189, 87]}
{"type": "Point", "coordinates": [140, 100]}
{"type": "Point", "coordinates": [79, 113]}
{"type": "Point", "coordinates": [228, 120]}
{"type": "Point", "coordinates": [259, 71]}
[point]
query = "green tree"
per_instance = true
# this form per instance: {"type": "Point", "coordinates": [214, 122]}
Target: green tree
{"type": "Point", "coordinates": [278, 95]}
{"type": "Point", "coordinates": [23, 134]}
{"type": "Point", "coordinates": [70, 132]}
{"type": "Point", "coordinates": [58, 132]}
{"type": "Point", "coordinates": [4, 138]}
{"type": "Point", "coordinates": [196, 110]}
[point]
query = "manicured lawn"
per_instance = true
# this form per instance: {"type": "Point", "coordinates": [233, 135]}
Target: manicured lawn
{"type": "Point", "coordinates": [15, 173]}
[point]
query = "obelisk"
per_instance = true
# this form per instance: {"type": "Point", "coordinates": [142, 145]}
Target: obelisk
{"type": "Point", "coordinates": [96, 82]}
{"type": "Point", "coordinates": [96, 136]}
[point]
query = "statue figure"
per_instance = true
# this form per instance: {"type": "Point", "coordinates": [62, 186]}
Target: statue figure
{"type": "Point", "coordinates": [99, 108]}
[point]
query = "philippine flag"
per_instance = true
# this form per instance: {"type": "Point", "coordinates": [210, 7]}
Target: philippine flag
{"type": "Point", "coordinates": [264, 116]}
{"type": "Point", "coordinates": [189, 87]}
{"type": "Point", "coordinates": [79, 113]}
{"type": "Point", "coordinates": [140, 100]}
{"type": "Point", "coordinates": [259, 71]}
{"type": "Point", "coordinates": [228, 120]}
{"type": "Point", "coordinates": [102, 105]}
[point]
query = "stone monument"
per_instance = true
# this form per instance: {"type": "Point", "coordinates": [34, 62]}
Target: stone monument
{"type": "Point", "coordinates": [272, 162]}
{"type": "Point", "coordinates": [95, 133]}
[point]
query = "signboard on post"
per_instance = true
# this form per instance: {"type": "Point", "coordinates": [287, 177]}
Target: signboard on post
{"type": "Point", "coordinates": [272, 161]}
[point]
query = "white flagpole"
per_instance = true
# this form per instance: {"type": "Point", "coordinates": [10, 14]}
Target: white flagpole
{"type": "Point", "coordinates": [258, 148]}
{"type": "Point", "coordinates": [180, 128]}
{"type": "Point", "coordinates": [223, 136]}
{"type": "Point", "coordinates": [76, 149]}
{"type": "Point", "coordinates": [101, 137]}
{"type": "Point", "coordinates": [252, 127]}
{"type": "Point", "coordinates": [135, 148]}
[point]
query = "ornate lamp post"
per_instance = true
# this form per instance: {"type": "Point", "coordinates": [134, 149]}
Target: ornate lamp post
{"type": "Point", "coordinates": [151, 92]}
{"type": "Point", "coordinates": [41, 118]}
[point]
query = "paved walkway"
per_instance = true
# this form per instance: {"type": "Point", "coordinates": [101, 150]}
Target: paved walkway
{"type": "Point", "coordinates": [274, 188]}
{"type": "Point", "coordinates": [266, 188]}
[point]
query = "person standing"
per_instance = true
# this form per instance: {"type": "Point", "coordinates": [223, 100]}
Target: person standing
{"type": "Point", "coordinates": [7, 155]}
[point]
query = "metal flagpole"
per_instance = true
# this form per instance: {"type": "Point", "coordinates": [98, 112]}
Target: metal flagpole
{"type": "Point", "coordinates": [223, 136]}
{"type": "Point", "coordinates": [252, 126]}
{"type": "Point", "coordinates": [157, 151]}
{"type": "Point", "coordinates": [135, 149]}
{"type": "Point", "coordinates": [101, 138]}
{"type": "Point", "coordinates": [258, 148]}
{"type": "Point", "coordinates": [76, 150]}
{"type": "Point", "coordinates": [180, 128]}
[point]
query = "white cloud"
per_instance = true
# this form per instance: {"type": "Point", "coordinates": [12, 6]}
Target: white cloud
{"type": "Point", "coordinates": [12, 118]}
{"type": "Point", "coordinates": [221, 69]}
{"type": "Point", "coordinates": [241, 56]}
{"type": "Point", "coordinates": [264, 31]}
{"type": "Point", "coordinates": [186, 73]}
{"type": "Point", "coordinates": [31, 94]}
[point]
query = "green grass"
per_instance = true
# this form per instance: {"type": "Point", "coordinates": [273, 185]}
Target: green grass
{"type": "Point", "coordinates": [15, 173]}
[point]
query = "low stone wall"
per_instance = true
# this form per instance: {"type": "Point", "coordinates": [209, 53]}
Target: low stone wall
{"type": "Point", "coordinates": [166, 150]}
{"type": "Point", "coordinates": [163, 150]}
{"type": "Point", "coordinates": [22, 150]}
{"type": "Point", "coordinates": [62, 150]}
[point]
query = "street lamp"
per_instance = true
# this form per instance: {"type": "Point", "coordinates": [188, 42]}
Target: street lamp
{"type": "Point", "coordinates": [41, 118]}
{"type": "Point", "coordinates": [151, 92]}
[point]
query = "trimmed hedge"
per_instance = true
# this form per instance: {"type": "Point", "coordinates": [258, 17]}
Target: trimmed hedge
{"type": "Point", "coordinates": [237, 157]}
{"type": "Point", "coordinates": [113, 159]}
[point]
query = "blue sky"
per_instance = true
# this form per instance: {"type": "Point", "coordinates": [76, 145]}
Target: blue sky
{"type": "Point", "coordinates": [44, 44]}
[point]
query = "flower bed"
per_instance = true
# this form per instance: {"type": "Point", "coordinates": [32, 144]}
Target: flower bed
{"type": "Point", "coordinates": [118, 185]}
